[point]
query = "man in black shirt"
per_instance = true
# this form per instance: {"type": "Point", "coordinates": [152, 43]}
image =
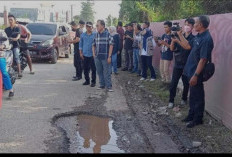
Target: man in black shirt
{"type": "Point", "coordinates": [75, 42]}
{"type": "Point", "coordinates": [200, 54]}
{"type": "Point", "coordinates": [128, 37]}
{"type": "Point", "coordinates": [181, 56]}
{"type": "Point", "coordinates": [13, 33]}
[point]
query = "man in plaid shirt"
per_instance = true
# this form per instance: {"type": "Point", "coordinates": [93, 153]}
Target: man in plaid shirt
{"type": "Point", "coordinates": [102, 52]}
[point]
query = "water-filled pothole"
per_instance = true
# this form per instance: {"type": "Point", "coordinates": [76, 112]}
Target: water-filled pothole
{"type": "Point", "coordinates": [96, 135]}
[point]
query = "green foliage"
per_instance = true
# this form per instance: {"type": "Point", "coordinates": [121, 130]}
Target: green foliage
{"type": "Point", "coordinates": [2, 27]}
{"type": "Point", "coordinates": [87, 13]}
{"type": "Point", "coordinates": [111, 21]}
{"type": "Point", "coordinates": [161, 10]}
{"type": "Point", "coordinates": [77, 18]}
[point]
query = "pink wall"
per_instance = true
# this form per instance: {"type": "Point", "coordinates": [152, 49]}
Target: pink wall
{"type": "Point", "coordinates": [218, 90]}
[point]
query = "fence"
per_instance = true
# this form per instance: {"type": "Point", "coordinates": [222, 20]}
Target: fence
{"type": "Point", "coordinates": [218, 90]}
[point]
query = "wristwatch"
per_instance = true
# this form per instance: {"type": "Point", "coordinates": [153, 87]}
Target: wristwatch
{"type": "Point", "coordinates": [196, 74]}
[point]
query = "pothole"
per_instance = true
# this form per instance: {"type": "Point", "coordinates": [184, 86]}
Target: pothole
{"type": "Point", "coordinates": [90, 134]}
{"type": "Point", "coordinates": [96, 135]}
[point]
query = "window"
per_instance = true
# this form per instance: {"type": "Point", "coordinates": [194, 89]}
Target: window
{"type": "Point", "coordinates": [42, 29]}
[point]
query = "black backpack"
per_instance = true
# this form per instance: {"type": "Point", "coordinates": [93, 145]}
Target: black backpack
{"type": "Point", "coordinates": [208, 70]}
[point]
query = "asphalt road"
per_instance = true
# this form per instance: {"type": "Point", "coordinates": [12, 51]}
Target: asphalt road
{"type": "Point", "coordinates": [26, 120]}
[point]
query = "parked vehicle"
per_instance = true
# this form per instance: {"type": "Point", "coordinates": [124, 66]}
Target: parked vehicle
{"type": "Point", "coordinates": [49, 41]}
{"type": "Point", "coordinates": [9, 66]}
{"type": "Point", "coordinates": [9, 61]}
{"type": "Point", "coordinates": [23, 61]}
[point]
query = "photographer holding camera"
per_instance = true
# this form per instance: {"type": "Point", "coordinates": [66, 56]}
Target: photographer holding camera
{"type": "Point", "coordinates": [181, 56]}
{"type": "Point", "coordinates": [166, 53]}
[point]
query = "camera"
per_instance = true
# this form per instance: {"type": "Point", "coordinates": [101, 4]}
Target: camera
{"type": "Point", "coordinates": [175, 28]}
{"type": "Point", "coordinates": [158, 38]}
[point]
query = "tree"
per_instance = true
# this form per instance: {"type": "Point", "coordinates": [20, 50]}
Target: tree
{"type": "Point", "coordinates": [162, 10]}
{"type": "Point", "coordinates": [111, 21]}
{"type": "Point", "coordinates": [115, 21]}
{"type": "Point", "coordinates": [87, 13]}
{"type": "Point", "coordinates": [77, 18]}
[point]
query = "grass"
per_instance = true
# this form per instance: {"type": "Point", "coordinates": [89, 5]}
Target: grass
{"type": "Point", "coordinates": [215, 137]}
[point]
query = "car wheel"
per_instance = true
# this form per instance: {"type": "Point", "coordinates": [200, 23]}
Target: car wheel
{"type": "Point", "coordinates": [66, 55]}
{"type": "Point", "coordinates": [70, 49]}
{"type": "Point", "coordinates": [54, 56]}
{"type": "Point", "coordinates": [12, 74]}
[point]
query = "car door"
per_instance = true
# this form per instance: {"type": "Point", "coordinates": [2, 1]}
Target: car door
{"type": "Point", "coordinates": [67, 38]}
{"type": "Point", "coordinates": [62, 34]}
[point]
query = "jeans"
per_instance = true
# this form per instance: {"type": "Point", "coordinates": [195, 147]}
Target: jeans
{"type": "Point", "coordinates": [119, 59]}
{"type": "Point", "coordinates": [78, 63]}
{"type": "Point", "coordinates": [147, 63]}
{"type": "Point", "coordinates": [129, 59]}
{"type": "Point", "coordinates": [197, 101]}
{"type": "Point", "coordinates": [104, 72]}
{"type": "Point", "coordinates": [114, 63]}
{"type": "Point", "coordinates": [5, 75]}
{"type": "Point", "coordinates": [136, 60]}
{"type": "Point", "coordinates": [177, 73]}
{"type": "Point", "coordinates": [89, 65]}
{"type": "Point", "coordinates": [16, 52]}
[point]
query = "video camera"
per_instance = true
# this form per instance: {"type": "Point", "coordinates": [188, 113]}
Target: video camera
{"type": "Point", "coordinates": [175, 28]}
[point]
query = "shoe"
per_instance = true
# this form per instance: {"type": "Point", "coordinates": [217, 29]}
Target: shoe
{"type": "Point", "coordinates": [100, 88]}
{"type": "Point", "coordinates": [93, 85]}
{"type": "Point", "coordinates": [124, 69]}
{"type": "Point", "coordinates": [170, 105]}
{"type": "Point", "coordinates": [74, 76]}
{"type": "Point", "coordinates": [193, 123]}
{"type": "Point", "coordinates": [183, 102]}
{"type": "Point", "coordinates": [115, 73]}
{"type": "Point", "coordinates": [11, 94]}
{"type": "Point", "coordinates": [86, 83]}
{"type": "Point", "coordinates": [20, 75]}
{"type": "Point", "coordinates": [142, 79]}
{"type": "Point", "coordinates": [110, 90]}
{"type": "Point", "coordinates": [152, 79]}
{"type": "Point", "coordinates": [187, 119]}
{"type": "Point", "coordinates": [76, 79]}
{"type": "Point", "coordinates": [32, 72]}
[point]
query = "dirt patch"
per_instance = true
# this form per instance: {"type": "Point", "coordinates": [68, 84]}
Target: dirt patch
{"type": "Point", "coordinates": [212, 137]}
{"type": "Point", "coordinates": [131, 138]}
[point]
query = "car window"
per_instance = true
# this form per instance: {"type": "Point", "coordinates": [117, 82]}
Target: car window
{"type": "Point", "coordinates": [63, 29]}
{"type": "Point", "coordinates": [42, 29]}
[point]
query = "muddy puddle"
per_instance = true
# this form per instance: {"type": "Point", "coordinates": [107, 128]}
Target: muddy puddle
{"type": "Point", "coordinates": [96, 135]}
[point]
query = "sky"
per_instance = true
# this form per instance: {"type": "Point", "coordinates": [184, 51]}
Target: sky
{"type": "Point", "coordinates": [102, 8]}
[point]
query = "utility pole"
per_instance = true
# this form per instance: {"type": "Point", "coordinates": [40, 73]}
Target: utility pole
{"type": "Point", "coordinates": [71, 12]}
{"type": "Point", "coordinates": [5, 16]}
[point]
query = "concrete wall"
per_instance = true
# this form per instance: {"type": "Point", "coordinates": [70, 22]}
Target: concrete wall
{"type": "Point", "coordinates": [218, 90]}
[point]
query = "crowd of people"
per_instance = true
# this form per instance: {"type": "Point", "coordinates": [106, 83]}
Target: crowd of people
{"type": "Point", "coordinates": [131, 48]}
{"type": "Point", "coordinates": [18, 37]}
{"type": "Point", "coordinates": [104, 50]}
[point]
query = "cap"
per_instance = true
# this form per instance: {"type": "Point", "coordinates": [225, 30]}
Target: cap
{"type": "Point", "coordinates": [73, 23]}
{"type": "Point", "coordinates": [89, 24]}
{"type": "Point", "coordinates": [81, 22]}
